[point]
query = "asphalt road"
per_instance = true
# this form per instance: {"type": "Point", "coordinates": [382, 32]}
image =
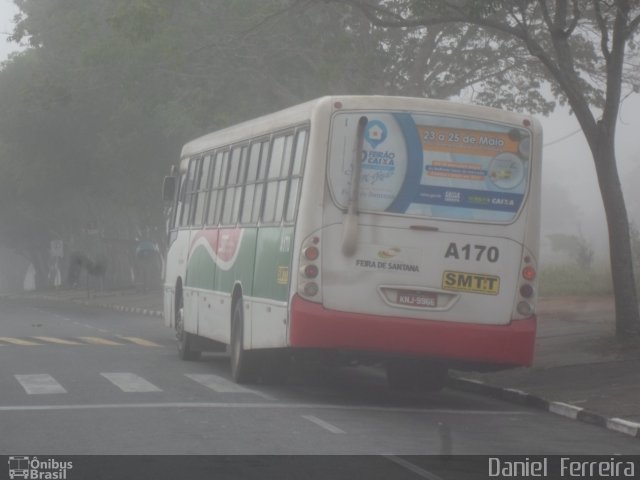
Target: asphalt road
{"type": "Point", "coordinates": [76, 380]}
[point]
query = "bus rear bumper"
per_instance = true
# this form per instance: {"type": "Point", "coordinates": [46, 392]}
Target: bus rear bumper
{"type": "Point", "coordinates": [313, 326]}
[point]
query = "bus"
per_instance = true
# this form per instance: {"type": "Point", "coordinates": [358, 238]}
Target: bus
{"type": "Point", "coordinates": [396, 231]}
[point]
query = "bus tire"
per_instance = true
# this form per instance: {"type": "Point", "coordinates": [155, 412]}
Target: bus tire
{"type": "Point", "coordinates": [186, 340]}
{"type": "Point", "coordinates": [243, 362]}
{"type": "Point", "coordinates": [416, 375]}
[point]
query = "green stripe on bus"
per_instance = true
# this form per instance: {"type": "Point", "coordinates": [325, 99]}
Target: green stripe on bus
{"type": "Point", "coordinates": [262, 265]}
{"type": "Point", "coordinates": [273, 262]}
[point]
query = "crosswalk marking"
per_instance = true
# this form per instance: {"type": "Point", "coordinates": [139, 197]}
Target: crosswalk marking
{"type": "Point", "coordinates": [130, 382]}
{"type": "Point", "coordinates": [141, 341]}
{"type": "Point", "coordinates": [222, 385]}
{"type": "Point", "coordinates": [40, 384]}
{"type": "Point", "coordinates": [59, 341]}
{"type": "Point", "coordinates": [19, 341]}
{"type": "Point", "coordinates": [99, 341]}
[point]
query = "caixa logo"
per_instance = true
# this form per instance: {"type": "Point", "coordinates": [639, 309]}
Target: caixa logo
{"type": "Point", "coordinates": [38, 469]}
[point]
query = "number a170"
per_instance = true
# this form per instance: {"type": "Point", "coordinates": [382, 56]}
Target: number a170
{"type": "Point", "coordinates": [472, 252]}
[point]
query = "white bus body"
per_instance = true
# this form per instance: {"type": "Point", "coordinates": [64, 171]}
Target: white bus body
{"type": "Point", "coordinates": [433, 259]}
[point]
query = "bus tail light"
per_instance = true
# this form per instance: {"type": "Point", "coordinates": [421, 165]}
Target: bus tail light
{"type": "Point", "coordinates": [311, 289]}
{"type": "Point", "coordinates": [311, 253]}
{"type": "Point", "coordinates": [527, 288]}
{"type": "Point", "coordinates": [526, 291]}
{"type": "Point", "coordinates": [525, 309]}
{"type": "Point", "coordinates": [529, 273]}
{"type": "Point", "coordinates": [309, 276]}
{"type": "Point", "coordinates": [311, 271]}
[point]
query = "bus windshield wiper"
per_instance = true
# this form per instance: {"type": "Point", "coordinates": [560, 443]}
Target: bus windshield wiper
{"type": "Point", "coordinates": [350, 223]}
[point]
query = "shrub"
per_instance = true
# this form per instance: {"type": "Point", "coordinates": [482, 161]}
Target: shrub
{"type": "Point", "coordinates": [565, 280]}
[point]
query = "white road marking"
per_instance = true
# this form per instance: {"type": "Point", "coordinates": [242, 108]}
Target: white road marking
{"type": "Point", "coordinates": [40, 384]}
{"type": "Point", "coordinates": [99, 341]}
{"type": "Point", "coordinates": [130, 382]}
{"type": "Point", "coordinates": [222, 385]}
{"type": "Point", "coordinates": [141, 341]}
{"type": "Point", "coordinates": [323, 424]}
{"type": "Point", "coordinates": [19, 341]}
{"type": "Point", "coordinates": [413, 468]}
{"type": "Point", "coordinates": [59, 341]}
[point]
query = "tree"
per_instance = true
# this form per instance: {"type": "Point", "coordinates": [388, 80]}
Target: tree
{"type": "Point", "coordinates": [575, 247]}
{"type": "Point", "coordinates": [579, 47]}
{"type": "Point", "coordinates": [635, 247]}
{"type": "Point", "coordinates": [96, 109]}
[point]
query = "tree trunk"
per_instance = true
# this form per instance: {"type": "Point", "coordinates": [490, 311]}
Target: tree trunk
{"type": "Point", "coordinates": [626, 299]}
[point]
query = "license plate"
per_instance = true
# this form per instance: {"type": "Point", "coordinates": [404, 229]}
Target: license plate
{"type": "Point", "coordinates": [417, 299]}
{"type": "Point", "coordinates": [471, 282]}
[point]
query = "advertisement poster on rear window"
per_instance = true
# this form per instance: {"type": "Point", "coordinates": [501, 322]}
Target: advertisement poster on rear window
{"type": "Point", "coordinates": [432, 166]}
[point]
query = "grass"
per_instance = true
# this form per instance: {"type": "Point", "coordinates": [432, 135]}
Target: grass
{"type": "Point", "coordinates": [565, 280]}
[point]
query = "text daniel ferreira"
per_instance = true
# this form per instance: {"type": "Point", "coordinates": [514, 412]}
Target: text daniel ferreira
{"type": "Point", "coordinates": [563, 467]}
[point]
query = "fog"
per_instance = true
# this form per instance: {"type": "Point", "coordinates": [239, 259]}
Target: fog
{"type": "Point", "coordinates": [7, 11]}
{"type": "Point", "coordinates": [571, 202]}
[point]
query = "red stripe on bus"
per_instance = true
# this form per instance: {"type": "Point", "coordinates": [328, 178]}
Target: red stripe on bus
{"type": "Point", "coordinates": [313, 326]}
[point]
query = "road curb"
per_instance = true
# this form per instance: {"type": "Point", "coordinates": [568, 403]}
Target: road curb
{"type": "Point", "coordinates": [120, 308]}
{"type": "Point", "coordinates": [566, 410]}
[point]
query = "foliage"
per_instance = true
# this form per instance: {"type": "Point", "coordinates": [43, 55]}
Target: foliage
{"type": "Point", "coordinates": [96, 109]}
{"type": "Point", "coordinates": [575, 247]}
{"type": "Point", "coordinates": [635, 247]}
{"type": "Point", "coordinates": [579, 48]}
{"type": "Point", "coordinates": [520, 30]}
{"type": "Point", "coordinates": [569, 280]}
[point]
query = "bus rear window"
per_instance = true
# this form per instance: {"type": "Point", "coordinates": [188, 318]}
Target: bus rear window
{"type": "Point", "coordinates": [432, 166]}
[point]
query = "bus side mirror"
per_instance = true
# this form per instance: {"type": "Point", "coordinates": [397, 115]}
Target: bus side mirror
{"type": "Point", "coordinates": [169, 189]}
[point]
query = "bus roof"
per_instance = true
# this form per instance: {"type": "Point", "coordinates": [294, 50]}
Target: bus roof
{"type": "Point", "coordinates": [252, 128]}
{"type": "Point", "coordinates": [303, 112]}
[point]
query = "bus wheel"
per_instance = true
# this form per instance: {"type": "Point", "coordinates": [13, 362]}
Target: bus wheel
{"type": "Point", "coordinates": [243, 364]}
{"type": "Point", "coordinates": [415, 375]}
{"type": "Point", "coordinates": [185, 339]}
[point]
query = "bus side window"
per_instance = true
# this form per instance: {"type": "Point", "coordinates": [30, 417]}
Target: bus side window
{"type": "Point", "coordinates": [201, 194]}
{"type": "Point", "coordinates": [233, 189]}
{"type": "Point", "coordinates": [213, 193]}
{"type": "Point", "coordinates": [300, 152]}
{"type": "Point", "coordinates": [252, 177]}
{"type": "Point", "coordinates": [180, 201]}
{"type": "Point", "coordinates": [239, 190]}
{"type": "Point", "coordinates": [217, 188]}
{"type": "Point", "coordinates": [276, 187]}
{"type": "Point", "coordinates": [262, 175]}
{"type": "Point", "coordinates": [194, 192]}
{"type": "Point", "coordinates": [188, 192]}
{"type": "Point", "coordinates": [296, 175]}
